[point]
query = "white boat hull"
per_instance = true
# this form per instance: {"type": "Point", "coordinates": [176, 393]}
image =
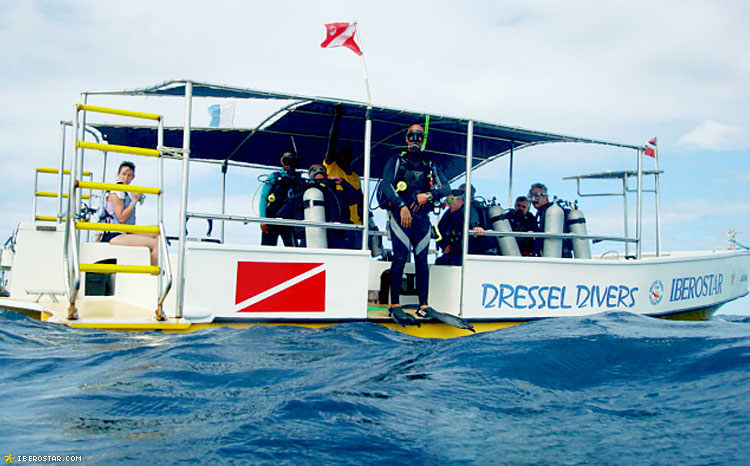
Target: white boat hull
{"type": "Point", "coordinates": [230, 284]}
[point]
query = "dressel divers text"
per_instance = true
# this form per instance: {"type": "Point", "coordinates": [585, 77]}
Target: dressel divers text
{"type": "Point", "coordinates": [557, 297]}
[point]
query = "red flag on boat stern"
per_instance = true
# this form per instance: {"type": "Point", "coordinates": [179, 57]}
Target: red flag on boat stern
{"type": "Point", "coordinates": [651, 148]}
{"type": "Point", "coordinates": [341, 35]}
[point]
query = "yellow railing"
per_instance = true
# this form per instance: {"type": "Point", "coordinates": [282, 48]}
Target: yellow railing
{"type": "Point", "coordinates": [118, 149]}
{"type": "Point", "coordinates": [118, 227]}
{"type": "Point", "coordinates": [55, 171]}
{"type": "Point", "coordinates": [51, 194]}
{"type": "Point", "coordinates": [117, 111]}
{"type": "Point", "coordinates": [47, 218]}
{"type": "Point", "coordinates": [117, 268]}
{"type": "Point", "coordinates": [128, 188]}
{"type": "Point", "coordinates": [71, 256]}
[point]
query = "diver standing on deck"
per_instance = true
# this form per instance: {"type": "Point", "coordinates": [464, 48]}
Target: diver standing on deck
{"type": "Point", "coordinates": [411, 183]}
{"type": "Point", "coordinates": [278, 195]}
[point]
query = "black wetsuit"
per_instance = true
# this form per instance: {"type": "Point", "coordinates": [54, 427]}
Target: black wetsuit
{"type": "Point", "coordinates": [285, 188]}
{"type": "Point", "coordinates": [419, 175]}
{"type": "Point", "coordinates": [523, 222]}
{"type": "Point", "coordinates": [451, 226]}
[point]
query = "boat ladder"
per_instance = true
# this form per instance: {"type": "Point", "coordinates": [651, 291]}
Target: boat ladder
{"type": "Point", "coordinates": [74, 268]}
{"type": "Point", "coordinates": [59, 218]}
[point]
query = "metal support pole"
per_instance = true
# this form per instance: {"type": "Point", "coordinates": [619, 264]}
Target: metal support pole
{"type": "Point", "coordinates": [103, 179]}
{"type": "Point", "coordinates": [33, 194]}
{"type": "Point", "coordinates": [180, 296]}
{"type": "Point", "coordinates": [510, 178]}
{"type": "Point", "coordinates": [467, 204]}
{"type": "Point", "coordinates": [60, 177]}
{"type": "Point", "coordinates": [625, 211]}
{"type": "Point", "coordinates": [657, 196]}
{"type": "Point", "coordinates": [366, 181]}
{"type": "Point", "coordinates": [224, 168]}
{"type": "Point", "coordinates": [161, 260]}
{"type": "Point", "coordinates": [639, 212]}
{"type": "Point", "coordinates": [80, 158]}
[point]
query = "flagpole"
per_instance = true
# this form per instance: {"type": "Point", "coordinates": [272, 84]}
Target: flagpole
{"type": "Point", "coordinates": [368, 143]}
{"type": "Point", "coordinates": [657, 196]}
{"type": "Point", "coordinates": [364, 65]}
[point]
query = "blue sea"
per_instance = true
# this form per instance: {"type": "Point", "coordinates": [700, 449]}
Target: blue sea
{"type": "Point", "coordinates": [612, 388]}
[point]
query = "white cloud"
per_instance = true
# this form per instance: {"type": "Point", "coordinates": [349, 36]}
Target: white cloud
{"type": "Point", "coordinates": [711, 135]}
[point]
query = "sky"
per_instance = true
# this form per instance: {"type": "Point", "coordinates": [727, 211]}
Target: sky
{"type": "Point", "coordinates": [624, 71]}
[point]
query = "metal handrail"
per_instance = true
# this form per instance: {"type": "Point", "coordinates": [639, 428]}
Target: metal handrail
{"type": "Point", "coordinates": [71, 256]}
{"type": "Point", "coordinates": [166, 270]}
{"type": "Point", "coordinates": [520, 234]}
{"type": "Point", "coordinates": [74, 271]}
{"type": "Point", "coordinates": [276, 221]}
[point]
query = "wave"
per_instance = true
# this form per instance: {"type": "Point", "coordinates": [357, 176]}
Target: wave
{"type": "Point", "coordinates": [614, 388]}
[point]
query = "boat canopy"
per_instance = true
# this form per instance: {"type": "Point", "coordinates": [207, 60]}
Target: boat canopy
{"type": "Point", "coordinates": [305, 124]}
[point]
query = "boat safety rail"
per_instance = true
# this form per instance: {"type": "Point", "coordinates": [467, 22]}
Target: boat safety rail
{"type": "Point", "coordinates": [72, 236]}
{"type": "Point", "coordinates": [276, 221]}
{"type": "Point", "coordinates": [55, 171]}
{"type": "Point", "coordinates": [117, 111]}
{"type": "Point", "coordinates": [532, 234]}
{"type": "Point", "coordinates": [65, 195]}
{"type": "Point", "coordinates": [120, 268]}
{"type": "Point", "coordinates": [128, 188]}
{"type": "Point", "coordinates": [118, 227]}
{"type": "Point", "coordinates": [50, 194]}
{"type": "Point", "coordinates": [166, 284]}
{"type": "Point", "coordinates": [70, 257]}
{"type": "Point", "coordinates": [116, 148]}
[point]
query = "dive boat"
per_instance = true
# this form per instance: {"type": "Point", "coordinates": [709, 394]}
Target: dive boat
{"type": "Point", "coordinates": [59, 275]}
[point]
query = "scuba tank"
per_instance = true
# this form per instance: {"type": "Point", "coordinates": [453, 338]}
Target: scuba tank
{"type": "Point", "coordinates": [577, 225]}
{"type": "Point", "coordinates": [554, 219]}
{"type": "Point", "coordinates": [315, 210]}
{"type": "Point", "coordinates": [375, 242]}
{"type": "Point", "coordinates": [508, 244]}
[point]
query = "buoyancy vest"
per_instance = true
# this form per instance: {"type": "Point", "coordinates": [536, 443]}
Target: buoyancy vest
{"type": "Point", "coordinates": [412, 175]}
{"type": "Point", "coordinates": [283, 187]}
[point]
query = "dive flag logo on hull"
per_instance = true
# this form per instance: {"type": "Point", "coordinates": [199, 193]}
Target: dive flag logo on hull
{"type": "Point", "coordinates": [280, 287]}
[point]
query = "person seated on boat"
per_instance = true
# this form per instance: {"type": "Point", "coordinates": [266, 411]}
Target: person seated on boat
{"type": "Point", "coordinates": [411, 183]}
{"type": "Point", "coordinates": [539, 198]}
{"type": "Point", "coordinates": [337, 163]}
{"type": "Point", "coordinates": [521, 219]}
{"type": "Point", "coordinates": [338, 197]}
{"type": "Point", "coordinates": [120, 208]}
{"type": "Point", "coordinates": [278, 195]}
{"type": "Point", "coordinates": [451, 226]}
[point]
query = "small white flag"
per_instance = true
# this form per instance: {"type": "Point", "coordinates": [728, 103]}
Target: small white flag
{"type": "Point", "coordinates": [222, 115]}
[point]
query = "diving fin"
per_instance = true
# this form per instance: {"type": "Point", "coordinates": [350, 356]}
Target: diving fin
{"type": "Point", "coordinates": [402, 318]}
{"type": "Point", "coordinates": [448, 319]}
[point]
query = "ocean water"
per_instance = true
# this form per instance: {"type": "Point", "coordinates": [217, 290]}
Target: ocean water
{"type": "Point", "coordinates": [613, 388]}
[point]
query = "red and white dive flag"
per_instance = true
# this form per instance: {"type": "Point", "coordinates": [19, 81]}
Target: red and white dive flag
{"type": "Point", "coordinates": [280, 287]}
{"type": "Point", "coordinates": [651, 148]}
{"type": "Point", "coordinates": [341, 35]}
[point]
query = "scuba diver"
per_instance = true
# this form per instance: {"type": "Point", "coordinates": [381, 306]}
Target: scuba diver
{"type": "Point", "coordinates": [280, 191]}
{"type": "Point", "coordinates": [451, 227]}
{"type": "Point", "coordinates": [338, 195]}
{"type": "Point", "coordinates": [522, 220]}
{"type": "Point", "coordinates": [410, 185]}
{"type": "Point", "coordinates": [337, 164]}
{"type": "Point", "coordinates": [540, 200]}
